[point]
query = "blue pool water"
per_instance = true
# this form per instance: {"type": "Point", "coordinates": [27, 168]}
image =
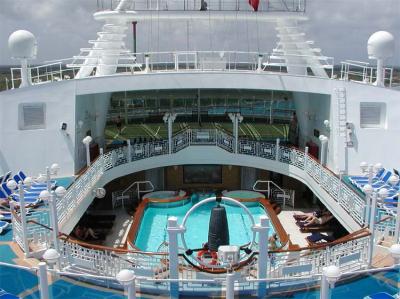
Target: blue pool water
{"type": "Point", "coordinates": [152, 231]}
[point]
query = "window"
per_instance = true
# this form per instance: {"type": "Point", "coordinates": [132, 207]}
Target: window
{"type": "Point", "coordinates": [372, 115]}
{"type": "Point", "coordinates": [32, 116]}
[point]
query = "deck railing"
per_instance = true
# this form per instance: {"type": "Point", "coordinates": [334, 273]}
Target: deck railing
{"type": "Point", "coordinates": [179, 61]}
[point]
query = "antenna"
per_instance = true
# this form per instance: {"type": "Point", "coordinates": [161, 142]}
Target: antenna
{"type": "Point", "coordinates": [380, 47]}
{"type": "Point", "coordinates": [23, 46]}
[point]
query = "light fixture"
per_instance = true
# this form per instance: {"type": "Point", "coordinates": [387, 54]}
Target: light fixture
{"type": "Point", "coordinates": [60, 191]}
{"type": "Point", "coordinates": [44, 195]}
{"type": "Point", "coordinates": [11, 184]}
{"type": "Point", "coordinates": [51, 256]}
{"type": "Point", "coordinates": [368, 189]}
{"type": "Point", "coordinates": [28, 181]}
{"type": "Point", "coordinates": [332, 274]}
{"type": "Point", "coordinates": [125, 277]}
{"type": "Point", "coordinates": [364, 166]}
{"type": "Point", "coordinates": [54, 168]}
{"type": "Point", "coordinates": [395, 251]}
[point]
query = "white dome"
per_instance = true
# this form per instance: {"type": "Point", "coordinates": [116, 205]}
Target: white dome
{"type": "Point", "coordinates": [381, 45]}
{"type": "Point", "coordinates": [22, 44]}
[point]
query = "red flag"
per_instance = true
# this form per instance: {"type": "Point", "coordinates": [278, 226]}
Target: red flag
{"type": "Point", "coordinates": [254, 4]}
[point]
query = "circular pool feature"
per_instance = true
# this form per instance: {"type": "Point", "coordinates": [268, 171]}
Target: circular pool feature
{"type": "Point", "coordinates": [244, 195]}
{"type": "Point", "coordinates": [159, 196]}
{"type": "Point", "coordinates": [152, 228]}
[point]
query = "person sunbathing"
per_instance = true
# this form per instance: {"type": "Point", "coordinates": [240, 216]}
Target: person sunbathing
{"type": "Point", "coordinates": [273, 242]}
{"type": "Point", "coordinates": [85, 233]}
{"type": "Point", "coordinates": [317, 221]}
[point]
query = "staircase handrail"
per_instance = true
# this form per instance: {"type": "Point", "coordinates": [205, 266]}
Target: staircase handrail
{"type": "Point", "coordinates": [138, 187]}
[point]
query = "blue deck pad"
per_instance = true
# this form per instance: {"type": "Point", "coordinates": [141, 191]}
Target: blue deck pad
{"type": "Point", "coordinates": [16, 281]}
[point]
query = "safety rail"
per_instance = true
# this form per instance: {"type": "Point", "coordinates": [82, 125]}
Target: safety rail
{"type": "Point", "coordinates": [363, 72]}
{"type": "Point", "coordinates": [270, 192]}
{"type": "Point", "coordinates": [119, 197]}
{"type": "Point", "coordinates": [290, 6]}
{"type": "Point", "coordinates": [129, 63]}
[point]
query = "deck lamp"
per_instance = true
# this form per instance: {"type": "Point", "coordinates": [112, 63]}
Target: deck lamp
{"type": "Point", "coordinates": [28, 181]}
{"type": "Point", "coordinates": [51, 256]}
{"type": "Point", "coordinates": [395, 252]}
{"type": "Point", "coordinates": [332, 274]}
{"type": "Point", "coordinates": [12, 185]}
{"type": "Point", "coordinates": [393, 180]}
{"type": "Point", "coordinates": [41, 178]}
{"type": "Point", "coordinates": [60, 191]}
{"type": "Point", "coordinates": [54, 168]}
{"type": "Point", "coordinates": [44, 195]}
{"type": "Point", "coordinates": [86, 141]}
{"type": "Point", "coordinates": [127, 278]}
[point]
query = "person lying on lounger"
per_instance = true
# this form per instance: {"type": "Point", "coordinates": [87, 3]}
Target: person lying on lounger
{"type": "Point", "coordinates": [84, 233]}
{"type": "Point", "coordinates": [313, 220]}
{"type": "Point", "coordinates": [273, 242]}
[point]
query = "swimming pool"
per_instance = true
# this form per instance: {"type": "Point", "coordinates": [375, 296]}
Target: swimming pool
{"type": "Point", "coordinates": [152, 231]}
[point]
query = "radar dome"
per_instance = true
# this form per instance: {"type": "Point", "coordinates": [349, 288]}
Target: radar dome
{"type": "Point", "coordinates": [381, 45]}
{"type": "Point", "coordinates": [22, 44]}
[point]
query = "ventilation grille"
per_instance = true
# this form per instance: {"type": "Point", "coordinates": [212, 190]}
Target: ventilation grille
{"type": "Point", "coordinates": [372, 115]}
{"type": "Point", "coordinates": [32, 116]}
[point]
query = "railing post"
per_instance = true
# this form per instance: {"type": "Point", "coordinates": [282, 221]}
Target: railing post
{"type": "Point", "coordinates": [277, 149]}
{"type": "Point", "coordinates": [173, 231]}
{"type": "Point", "coordinates": [263, 231]}
{"type": "Point", "coordinates": [24, 225]}
{"type": "Point", "coordinates": [372, 228]}
{"type": "Point", "coordinates": [259, 63]}
{"type": "Point", "coordinates": [147, 63]}
{"type": "Point", "coordinates": [397, 228]}
{"type": "Point", "coordinates": [305, 158]}
{"type": "Point", "coordinates": [129, 151]}
{"type": "Point", "coordinates": [43, 283]}
{"type": "Point", "coordinates": [176, 62]}
{"type": "Point", "coordinates": [230, 285]}
{"type": "Point", "coordinates": [54, 220]}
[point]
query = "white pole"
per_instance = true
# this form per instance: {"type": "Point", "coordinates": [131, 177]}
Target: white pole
{"type": "Point", "coordinates": [43, 283]}
{"type": "Point", "coordinates": [230, 285]}
{"type": "Point", "coordinates": [372, 229]}
{"type": "Point", "coordinates": [173, 231]}
{"type": "Point", "coordinates": [87, 155]}
{"type": "Point", "coordinates": [324, 290]}
{"type": "Point", "coordinates": [305, 158]}
{"type": "Point", "coordinates": [54, 220]}
{"type": "Point", "coordinates": [379, 73]}
{"type": "Point", "coordinates": [259, 62]}
{"type": "Point", "coordinates": [129, 150]}
{"type": "Point", "coordinates": [277, 149]}
{"type": "Point", "coordinates": [147, 63]}
{"type": "Point", "coordinates": [397, 229]}
{"type": "Point", "coordinates": [48, 178]}
{"type": "Point", "coordinates": [132, 290]}
{"type": "Point", "coordinates": [367, 208]}
{"type": "Point", "coordinates": [370, 174]}
{"type": "Point", "coordinates": [24, 73]}
{"type": "Point", "coordinates": [170, 121]}
{"type": "Point", "coordinates": [23, 218]}
{"type": "Point", "coordinates": [263, 232]}
{"type": "Point", "coordinates": [236, 133]}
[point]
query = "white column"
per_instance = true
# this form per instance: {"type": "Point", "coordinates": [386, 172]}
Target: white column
{"type": "Point", "coordinates": [131, 290]}
{"type": "Point", "coordinates": [324, 290]}
{"type": "Point", "coordinates": [372, 228]}
{"type": "Point", "coordinates": [48, 179]}
{"type": "Point", "coordinates": [147, 63]}
{"type": "Point", "coordinates": [43, 283]}
{"type": "Point", "coordinates": [23, 218]}
{"type": "Point", "coordinates": [370, 173]}
{"type": "Point", "coordinates": [305, 158]}
{"type": "Point", "coordinates": [263, 232]}
{"type": "Point", "coordinates": [25, 76]}
{"type": "Point", "coordinates": [87, 155]}
{"type": "Point", "coordinates": [367, 208]}
{"type": "Point", "coordinates": [230, 285]}
{"type": "Point", "coordinates": [173, 231]}
{"type": "Point", "coordinates": [397, 229]}
{"type": "Point", "coordinates": [259, 63]}
{"type": "Point", "coordinates": [277, 149]}
{"type": "Point", "coordinates": [129, 150]}
{"type": "Point", "coordinates": [54, 220]}
{"type": "Point", "coordinates": [170, 121]}
{"type": "Point", "coordinates": [379, 73]}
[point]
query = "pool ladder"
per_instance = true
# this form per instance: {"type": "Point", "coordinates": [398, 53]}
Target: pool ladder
{"type": "Point", "coordinates": [119, 197]}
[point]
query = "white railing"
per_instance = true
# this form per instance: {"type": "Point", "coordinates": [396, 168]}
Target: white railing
{"type": "Point", "coordinates": [80, 189]}
{"type": "Point", "coordinates": [179, 61]}
{"type": "Point", "coordinates": [363, 72]}
{"type": "Point", "coordinates": [291, 6]}
{"type": "Point", "coordinates": [119, 197]}
{"type": "Point", "coordinates": [83, 187]}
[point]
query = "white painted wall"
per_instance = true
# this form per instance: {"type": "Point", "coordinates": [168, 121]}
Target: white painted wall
{"type": "Point", "coordinates": [33, 150]}
{"type": "Point", "coordinates": [60, 97]}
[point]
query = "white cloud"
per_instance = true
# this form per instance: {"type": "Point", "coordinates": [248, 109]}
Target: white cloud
{"type": "Point", "coordinates": [340, 27]}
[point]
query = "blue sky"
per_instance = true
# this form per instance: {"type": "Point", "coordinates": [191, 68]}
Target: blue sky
{"type": "Point", "coordinates": [340, 27]}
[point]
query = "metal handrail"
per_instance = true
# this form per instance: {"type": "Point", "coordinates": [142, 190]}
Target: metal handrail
{"type": "Point", "coordinates": [138, 187]}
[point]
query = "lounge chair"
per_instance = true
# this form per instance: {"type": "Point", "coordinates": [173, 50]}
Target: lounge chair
{"type": "Point", "coordinates": [317, 238]}
{"type": "Point", "coordinates": [5, 295]}
{"type": "Point", "coordinates": [3, 226]}
{"type": "Point", "coordinates": [377, 182]}
{"type": "Point", "coordinates": [30, 198]}
{"type": "Point", "coordinates": [377, 177]}
{"type": "Point", "coordinates": [34, 188]}
{"type": "Point", "coordinates": [23, 176]}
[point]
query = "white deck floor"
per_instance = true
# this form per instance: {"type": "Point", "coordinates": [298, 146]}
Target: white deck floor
{"type": "Point", "coordinates": [289, 224]}
{"type": "Point", "coordinates": [120, 229]}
